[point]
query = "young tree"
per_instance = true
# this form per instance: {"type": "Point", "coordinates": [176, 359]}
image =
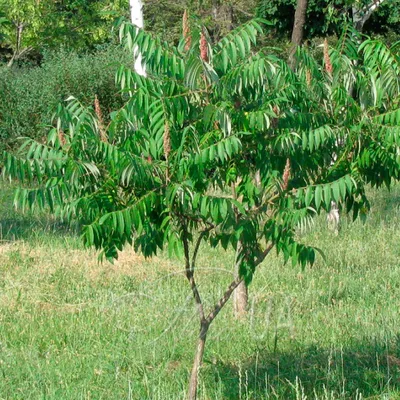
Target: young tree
{"type": "Point", "coordinates": [35, 25]}
{"type": "Point", "coordinates": [25, 19]}
{"type": "Point", "coordinates": [175, 167]}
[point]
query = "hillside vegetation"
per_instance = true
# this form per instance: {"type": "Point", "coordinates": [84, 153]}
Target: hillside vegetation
{"type": "Point", "coordinates": [29, 96]}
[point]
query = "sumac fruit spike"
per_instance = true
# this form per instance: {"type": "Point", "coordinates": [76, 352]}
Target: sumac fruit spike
{"type": "Point", "coordinates": [97, 110]}
{"type": "Point", "coordinates": [327, 59]}
{"type": "Point", "coordinates": [286, 175]}
{"type": "Point", "coordinates": [203, 47]}
{"type": "Point", "coordinates": [187, 35]}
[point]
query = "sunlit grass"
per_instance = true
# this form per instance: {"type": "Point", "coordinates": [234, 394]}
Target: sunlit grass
{"type": "Point", "coordinates": [72, 328]}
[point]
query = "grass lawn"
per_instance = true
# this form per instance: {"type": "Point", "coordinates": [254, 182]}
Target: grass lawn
{"type": "Point", "coordinates": [72, 328]}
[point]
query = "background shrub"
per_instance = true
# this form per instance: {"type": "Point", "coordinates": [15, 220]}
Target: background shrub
{"type": "Point", "coordinates": [29, 96]}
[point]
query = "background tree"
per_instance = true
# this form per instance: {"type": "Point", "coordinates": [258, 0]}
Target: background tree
{"type": "Point", "coordinates": [298, 28]}
{"type": "Point", "coordinates": [81, 24]}
{"type": "Point", "coordinates": [25, 20]}
{"type": "Point", "coordinates": [363, 12]}
{"type": "Point", "coordinates": [73, 24]}
{"type": "Point", "coordinates": [3, 21]}
{"type": "Point", "coordinates": [329, 17]}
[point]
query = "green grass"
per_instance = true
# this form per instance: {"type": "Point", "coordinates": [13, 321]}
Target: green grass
{"type": "Point", "coordinates": [71, 328]}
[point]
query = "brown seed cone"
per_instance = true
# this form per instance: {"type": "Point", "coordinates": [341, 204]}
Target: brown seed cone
{"type": "Point", "coordinates": [97, 110]}
{"type": "Point", "coordinates": [61, 138]}
{"type": "Point", "coordinates": [186, 31]}
{"type": "Point", "coordinates": [167, 140]}
{"type": "Point", "coordinates": [286, 175]}
{"type": "Point", "coordinates": [274, 121]}
{"type": "Point", "coordinates": [308, 77]}
{"type": "Point", "coordinates": [203, 47]}
{"type": "Point", "coordinates": [327, 59]}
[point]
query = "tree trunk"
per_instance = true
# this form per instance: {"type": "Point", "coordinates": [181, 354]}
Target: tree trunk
{"type": "Point", "coordinates": [362, 14]}
{"type": "Point", "coordinates": [11, 62]}
{"type": "Point", "coordinates": [222, 14]}
{"type": "Point", "coordinates": [298, 28]}
{"type": "Point", "coordinates": [240, 300]}
{"type": "Point", "coordinates": [198, 359]}
{"type": "Point", "coordinates": [333, 218]}
{"type": "Point", "coordinates": [19, 27]}
{"type": "Point", "coordinates": [137, 19]}
{"type": "Point", "coordinates": [240, 295]}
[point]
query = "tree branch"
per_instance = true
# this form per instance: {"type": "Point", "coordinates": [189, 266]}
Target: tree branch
{"type": "Point", "coordinates": [362, 15]}
{"type": "Point", "coordinates": [190, 273]}
{"type": "Point", "coordinates": [264, 254]}
{"type": "Point", "coordinates": [218, 307]}
{"type": "Point", "coordinates": [197, 247]}
{"type": "Point", "coordinates": [244, 12]}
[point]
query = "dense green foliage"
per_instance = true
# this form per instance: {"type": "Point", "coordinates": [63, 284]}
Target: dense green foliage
{"type": "Point", "coordinates": [29, 97]}
{"type": "Point", "coordinates": [219, 16]}
{"type": "Point", "coordinates": [329, 17]}
{"type": "Point", "coordinates": [34, 26]}
{"type": "Point", "coordinates": [209, 120]}
{"type": "Point", "coordinates": [81, 24]}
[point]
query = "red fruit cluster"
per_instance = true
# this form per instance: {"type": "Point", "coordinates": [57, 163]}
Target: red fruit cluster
{"type": "Point", "coordinates": [97, 110]}
{"type": "Point", "coordinates": [186, 31]}
{"type": "Point", "coordinates": [327, 59]}
{"type": "Point", "coordinates": [203, 47]}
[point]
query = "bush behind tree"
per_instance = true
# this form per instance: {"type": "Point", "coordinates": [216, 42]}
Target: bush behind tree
{"type": "Point", "coordinates": [29, 96]}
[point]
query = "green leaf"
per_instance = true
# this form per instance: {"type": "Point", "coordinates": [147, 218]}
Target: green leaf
{"type": "Point", "coordinates": [318, 196]}
{"type": "Point", "coordinates": [221, 151]}
{"type": "Point", "coordinates": [327, 195]}
{"type": "Point", "coordinates": [336, 191]}
{"type": "Point", "coordinates": [309, 195]}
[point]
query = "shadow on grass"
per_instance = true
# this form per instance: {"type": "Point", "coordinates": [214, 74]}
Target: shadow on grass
{"type": "Point", "coordinates": [371, 369]}
{"type": "Point", "coordinates": [30, 226]}
{"type": "Point", "coordinates": [386, 202]}
{"type": "Point", "coordinates": [18, 225]}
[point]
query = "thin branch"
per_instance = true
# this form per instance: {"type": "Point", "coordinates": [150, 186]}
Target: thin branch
{"type": "Point", "coordinates": [218, 307]}
{"type": "Point", "coordinates": [264, 254]}
{"type": "Point", "coordinates": [236, 7]}
{"type": "Point", "coordinates": [196, 219]}
{"type": "Point", "coordinates": [197, 246]}
{"type": "Point", "coordinates": [190, 274]}
{"type": "Point", "coordinates": [362, 15]}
